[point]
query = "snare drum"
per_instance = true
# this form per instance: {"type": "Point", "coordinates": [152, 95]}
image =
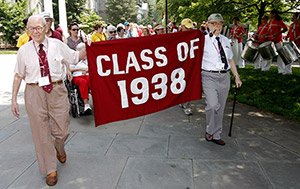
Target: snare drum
{"type": "Point", "coordinates": [296, 49]}
{"type": "Point", "coordinates": [287, 53]}
{"type": "Point", "coordinates": [267, 50]}
{"type": "Point", "coordinates": [250, 51]}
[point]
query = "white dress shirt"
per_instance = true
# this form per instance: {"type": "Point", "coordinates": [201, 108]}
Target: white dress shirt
{"type": "Point", "coordinates": [83, 65]}
{"type": "Point", "coordinates": [58, 54]}
{"type": "Point", "coordinates": [211, 56]}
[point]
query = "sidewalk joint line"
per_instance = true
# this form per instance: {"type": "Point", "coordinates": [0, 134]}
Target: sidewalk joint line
{"type": "Point", "coordinates": [111, 143]}
{"type": "Point", "coordinates": [138, 132]}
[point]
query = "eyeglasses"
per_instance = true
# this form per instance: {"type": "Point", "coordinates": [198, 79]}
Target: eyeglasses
{"type": "Point", "coordinates": [216, 23]}
{"type": "Point", "coordinates": [75, 29]}
{"type": "Point", "coordinates": [38, 28]}
{"type": "Point", "coordinates": [112, 32]}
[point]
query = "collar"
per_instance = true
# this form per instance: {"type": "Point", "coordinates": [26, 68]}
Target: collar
{"type": "Point", "coordinates": [213, 38]}
{"type": "Point", "coordinates": [45, 44]}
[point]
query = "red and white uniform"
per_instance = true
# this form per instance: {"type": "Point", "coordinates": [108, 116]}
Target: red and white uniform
{"type": "Point", "coordinates": [236, 35]}
{"type": "Point", "coordinates": [262, 33]}
{"type": "Point", "coordinates": [294, 33]}
{"type": "Point", "coordinates": [275, 35]}
{"type": "Point", "coordinates": [275, 27]}
{"type": "Point", "coordinates": [237, 32]}
{"type": "Point", "coordinates": [262, 36]}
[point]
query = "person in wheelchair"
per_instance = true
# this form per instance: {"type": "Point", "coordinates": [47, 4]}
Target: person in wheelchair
{"type": "Point", "coordinates": [80, 77]}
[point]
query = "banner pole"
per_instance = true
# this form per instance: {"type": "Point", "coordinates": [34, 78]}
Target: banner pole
{"type": "Point", "coordinates": [166, 15]}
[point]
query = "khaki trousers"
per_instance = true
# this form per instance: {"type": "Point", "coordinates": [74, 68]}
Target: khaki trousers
{"type": "Point", "coordinates": [49, 121]}
{"type": "Point", "coordinates": [215, 88]}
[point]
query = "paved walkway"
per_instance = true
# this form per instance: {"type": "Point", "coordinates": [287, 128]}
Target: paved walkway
{"type": "Point", "coordinates": [164, 150]}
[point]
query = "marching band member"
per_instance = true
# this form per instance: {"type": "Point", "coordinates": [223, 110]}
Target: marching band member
{"type": "Point", "coordinates": [276, 28]}
{"type": "Point", "coordinates": [236, 34]}
{"type": "Point", "coordinates": [262, 36]}
{"type": "Point", "coordinates": [294, 30]}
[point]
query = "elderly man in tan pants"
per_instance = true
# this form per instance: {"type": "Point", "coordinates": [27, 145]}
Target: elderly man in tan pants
{"type": "Point", "coordinates": [40, 63]}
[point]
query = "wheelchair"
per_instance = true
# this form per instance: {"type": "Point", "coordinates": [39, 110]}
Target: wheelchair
{"type": "Point", "coordinates": [76, 102]}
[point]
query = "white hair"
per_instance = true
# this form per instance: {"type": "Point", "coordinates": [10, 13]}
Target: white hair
{"type": "Point", "coordinates": [35, 18]}
{"type": "Point", "coordinates": [111, 28]}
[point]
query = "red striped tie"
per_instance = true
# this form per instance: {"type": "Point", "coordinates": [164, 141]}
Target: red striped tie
{"type": "Point", "coordinates": [45, 68]}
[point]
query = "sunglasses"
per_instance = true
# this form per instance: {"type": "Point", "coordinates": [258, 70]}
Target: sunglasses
{"type": "Point", "coordinates": [113, 32]}
{"type": "Point", "coordinates": [75, 29]}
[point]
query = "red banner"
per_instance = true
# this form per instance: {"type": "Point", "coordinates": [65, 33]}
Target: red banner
{"type": "Point", "coordinates": [138, 76]}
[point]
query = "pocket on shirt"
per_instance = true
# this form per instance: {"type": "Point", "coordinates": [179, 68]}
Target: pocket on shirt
{"type": "Point", "coordinates": [56, 64]}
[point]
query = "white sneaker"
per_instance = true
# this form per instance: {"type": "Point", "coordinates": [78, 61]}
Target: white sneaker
{"type": "Point", "coordinates": [188, 111]}
{"type": "Point", "coordinates": [87, 109]}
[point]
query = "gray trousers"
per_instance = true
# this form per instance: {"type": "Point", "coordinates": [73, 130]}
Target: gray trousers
{"type": "Point", "coordinates": [49, 119]}
{"type": "Point", "coordinates": [215, 88]}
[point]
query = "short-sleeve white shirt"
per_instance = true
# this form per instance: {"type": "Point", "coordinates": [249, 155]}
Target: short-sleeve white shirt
{"type": "Point", "coordinates": [211, 54]}
{"type": "Point", "coordinates": [58, 54]}
{"type": "Point", "coordinates": [81, 65]}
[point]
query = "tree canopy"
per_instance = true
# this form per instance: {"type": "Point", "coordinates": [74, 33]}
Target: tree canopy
{"type": "Point", "coordinates": [249, 11]}
{"type": "Point", "coordinates": [76, 12]}
{"type": "Point", "coordinates": [121, 10]}
{"type": "Point", "coordinates": [11, 17]}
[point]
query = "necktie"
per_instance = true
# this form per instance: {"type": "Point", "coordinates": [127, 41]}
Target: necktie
{"type": "Point", "coordinates": [45, 68]}
{"type": "Point", "coordinates": [222, 53]}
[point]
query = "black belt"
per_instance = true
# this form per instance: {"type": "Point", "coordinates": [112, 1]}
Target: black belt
{"type": "Point", "coordinates": [215, 71]}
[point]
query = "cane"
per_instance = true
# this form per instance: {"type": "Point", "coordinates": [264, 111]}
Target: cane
{"type": "Point", "coordinates": [233, 106]}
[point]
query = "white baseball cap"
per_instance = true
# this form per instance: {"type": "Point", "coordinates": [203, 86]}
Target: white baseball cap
{"type": "Point", "coordinates": [216, 17]}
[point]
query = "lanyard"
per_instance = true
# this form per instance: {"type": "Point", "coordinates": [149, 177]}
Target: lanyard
{"type": "Point", "coordinates": [46, 52]}
{"type": "Point", "coordinates": [37, 50]}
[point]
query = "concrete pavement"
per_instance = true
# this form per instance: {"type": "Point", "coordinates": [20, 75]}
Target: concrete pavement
{"type": "Point", "coordinates": [157, 151]}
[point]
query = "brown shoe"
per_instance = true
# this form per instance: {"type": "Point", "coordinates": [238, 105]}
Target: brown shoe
{"type": "Point", "coordinates": [61, 158]}
{"type": "Point", "coordinates": [219, 142]}
{"type": "Point", "coordinates": [51, 178]}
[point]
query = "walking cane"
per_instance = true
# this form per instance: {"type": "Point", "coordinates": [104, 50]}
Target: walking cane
{"type": "Point", "coordinates": [233, 106]}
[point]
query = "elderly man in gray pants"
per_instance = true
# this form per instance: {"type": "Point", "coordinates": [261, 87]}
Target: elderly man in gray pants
{"type": "Point", "coordinates": [216, 63]}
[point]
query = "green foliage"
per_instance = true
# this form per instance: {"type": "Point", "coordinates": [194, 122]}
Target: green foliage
{"type": "Point", "coordinates": [11, 16]}
{"type": "Point", "coordinates": [121, 10]}
{"type": "Point", "coordinates": [270, 91]}
{"type": "Point", "coordinates": [249, 11]}
{"type": "Point", "coordinates": [88, 20]}
{"type": "Point", "coordinates": [73, 7]}
{"type": "Point", "coordinates": [76, 12]}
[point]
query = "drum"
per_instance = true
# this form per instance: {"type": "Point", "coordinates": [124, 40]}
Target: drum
{"type": "Point", "coordinates": [250, 51]}
{"type": "Point", "coordinates": [296, 49]}
{"type": "Point", "coordinates": [267, 50]}
{"type": "Point", "coordinates": [287, 53]}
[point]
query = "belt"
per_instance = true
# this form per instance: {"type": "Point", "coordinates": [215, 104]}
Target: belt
{"type": "Point", "coordinates": [53, 83]}
{"type": "Point", "coordinates": [215, 71]}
